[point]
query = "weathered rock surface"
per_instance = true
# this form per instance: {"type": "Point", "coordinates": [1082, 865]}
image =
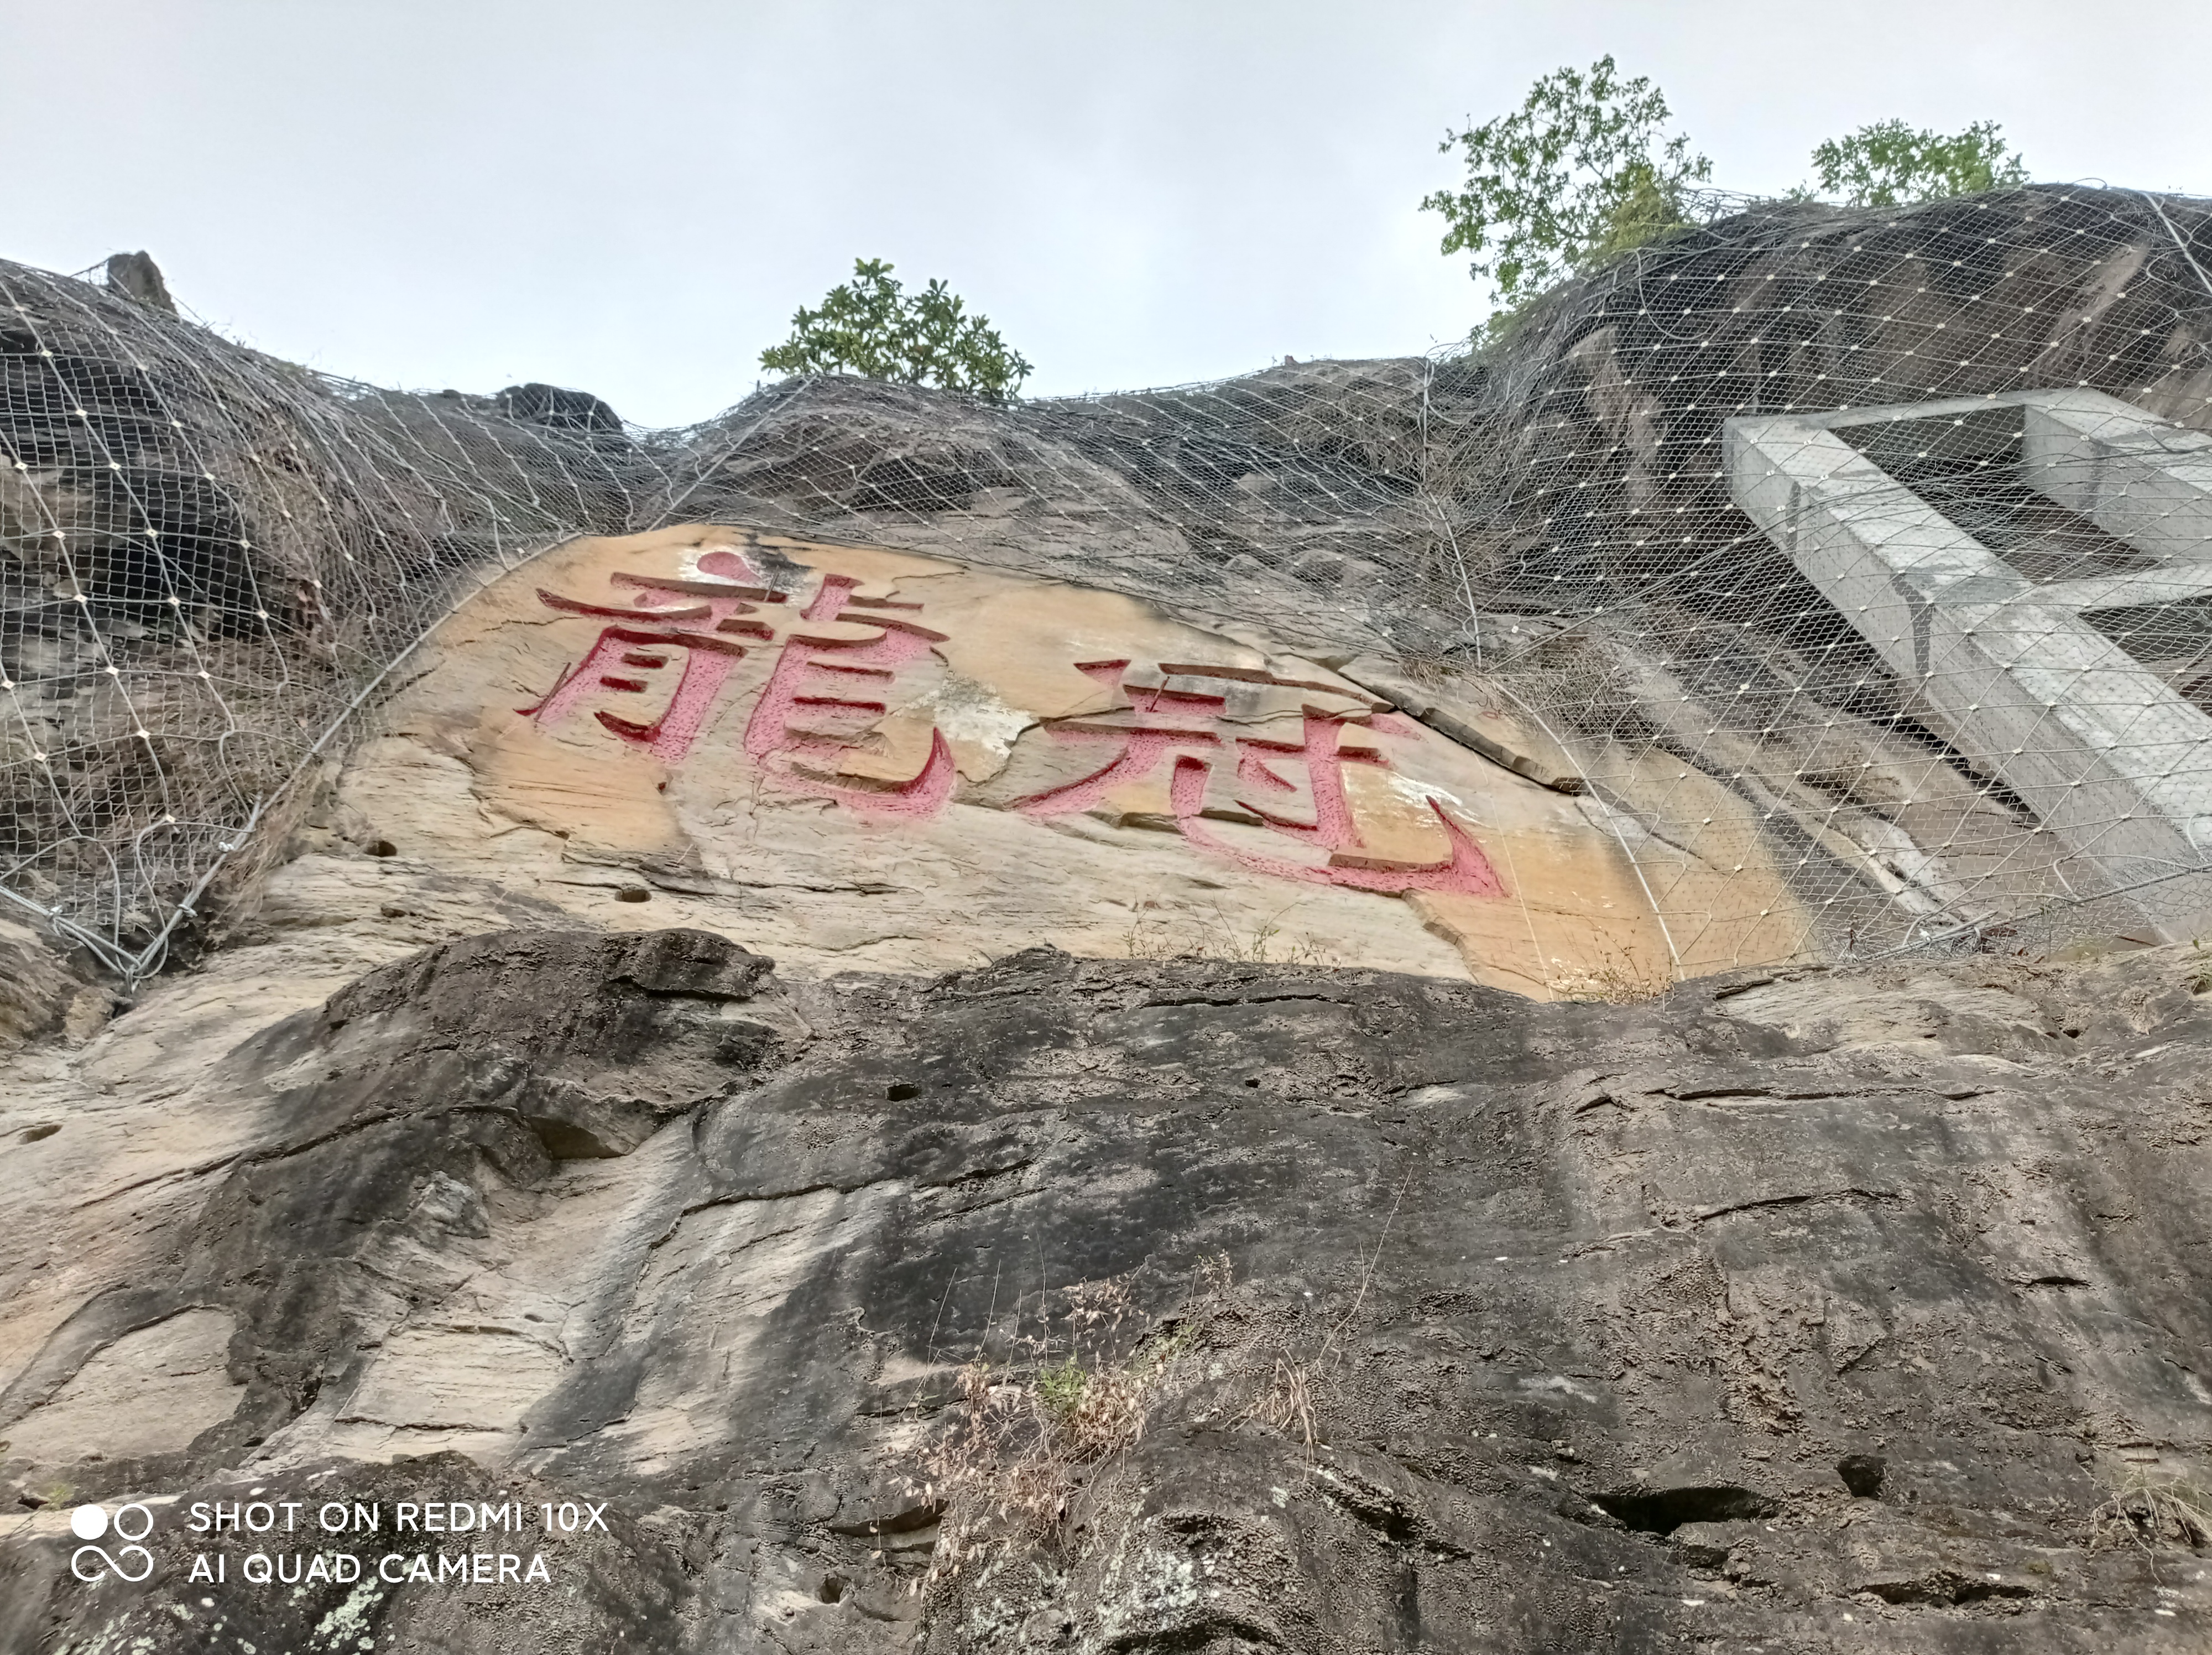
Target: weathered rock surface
{"type": "Point", "coordinates": [482, 1161]}
{"type": "Point", "coordinates": [177, 512]}
{"type": "Point", "coordinates": [852, 757]}
{"type": "Point", "coordinates": [1827, 1311]}
{"type": "Point", "coordinates": [39, 993]}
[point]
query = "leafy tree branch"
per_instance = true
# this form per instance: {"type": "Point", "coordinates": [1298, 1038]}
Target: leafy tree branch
{"type": "Point", "coordinates": [870, 326]}
{"type": "Point", "coordinates": [1581, 171]}
{"type": "Point", "coordinates": [1889, 164]}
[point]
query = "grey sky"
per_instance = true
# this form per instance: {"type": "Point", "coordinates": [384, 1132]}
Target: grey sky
{"type": "Point", "coordinates": [634, 197]}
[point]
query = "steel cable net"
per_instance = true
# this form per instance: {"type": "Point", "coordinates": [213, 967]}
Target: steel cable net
{"type": "Point", "coordinates": [206, 557]}
{"type": "Point", "coordinates": [1859, 561]}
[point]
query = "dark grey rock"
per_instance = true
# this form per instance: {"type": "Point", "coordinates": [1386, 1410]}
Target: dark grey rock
{"type": "Point", "coordinates": [561, 410]}
{"type": "Point", "coordinates": [135, 276]}
{"type": "Point", "coordinates": [1454, 1321]}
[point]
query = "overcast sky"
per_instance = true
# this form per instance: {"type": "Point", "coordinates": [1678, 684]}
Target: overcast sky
{"type": "Point", "coordinates": [633, 195]}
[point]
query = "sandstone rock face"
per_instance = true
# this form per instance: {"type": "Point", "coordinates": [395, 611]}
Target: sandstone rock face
{"type": "Point", "coordinates": [39, 994]}
{"type": "Point", "coordinates": [1225, 1156]}
{"type": "Point", "coordinates": [179, 514]}
{"type": "Point", "coordinates": [1131, 1305]}
{"type": "Point", "coordinates": [851, 757]}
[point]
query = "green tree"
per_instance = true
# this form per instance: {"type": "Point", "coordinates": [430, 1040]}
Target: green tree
{"type": "Point", "coordinates": [1579, 174]}
{"type": "Point", "coordinates": [1888, 164]}
{"type": "Point", "coordinates": [871, 327]}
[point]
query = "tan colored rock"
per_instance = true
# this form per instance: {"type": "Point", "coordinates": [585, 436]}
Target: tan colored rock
{"type": "Point", "coordinates": [1486, 724]}
{"type": "Point", "coordinates": [853, 757]}
{"type": "Point", "coordinates": [37, 992]}
{"type": "Point", "coordinates": [149, 1392]}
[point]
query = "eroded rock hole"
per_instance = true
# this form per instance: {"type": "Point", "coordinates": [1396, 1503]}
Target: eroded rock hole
{"type": "Point", "coordinates": [1663, 1510]}
{"type": "Point", "coordinates": [833, 1588]}
{"type": "Point", "coordinates": [565, 1141]}
{"type": "Point", "coordinates": [899, 1091]}
{"type": "Point", "coordinates": [633, 894]}
{"type": "Point", "coordinates": [383, 847]}
{"type": "Point", "coordinates": [32, 1134]}
{"type": "Point", "coordinates": [1862, 1474]}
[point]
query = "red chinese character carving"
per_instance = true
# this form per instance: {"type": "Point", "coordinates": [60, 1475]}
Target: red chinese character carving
{"type": "Point", "coordinates": [817, 684]}
{"type": "Point", "coordinates": [828, 682]}
{"type": "Point", "coordinates": [1176, 722]}
{"type": "Point", "coordinates": [705, 630]}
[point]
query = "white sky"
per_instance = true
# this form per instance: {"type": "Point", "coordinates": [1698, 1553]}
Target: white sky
{"type": "Point", "coordinates": [633, 195]}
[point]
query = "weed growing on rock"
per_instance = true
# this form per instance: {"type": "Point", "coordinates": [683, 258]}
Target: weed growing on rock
{"type": "Point", "coordinates": [1286, 1406]}
{"type": "Point", "coordinates": [1153, 935]}
{"type": "Point", "coordinates": [1021, 1440]}
{"type": "Point", "coordinates": [2200, 968]}
{"type": "Point", "coordinates": [2154, 1513]}
{"type": "Point", "coordinates": [1026, 1441]}
{"type": "Point", "coordinates": [1285, 1403]}
{"type": "Point", "coordinates": [1618, 978]}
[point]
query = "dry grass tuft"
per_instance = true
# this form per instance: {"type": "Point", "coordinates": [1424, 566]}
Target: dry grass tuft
{"type": "Point", "coordinates": [1024, 1438]}
{"type": "Point", "coordinates": [1618, 978]}
{"type": "Point", "coordinates": [2153, 1513]}
{"type": "Point", "coordinates": [1155, 935]}
{"type": "Point", "coordinates": [1286, 1406]}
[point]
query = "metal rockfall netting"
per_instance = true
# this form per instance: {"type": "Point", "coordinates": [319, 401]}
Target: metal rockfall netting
{"type": "Point", "coordinates": [1786, 528]}
{"type": "Point", "coordinates": [206, 557]}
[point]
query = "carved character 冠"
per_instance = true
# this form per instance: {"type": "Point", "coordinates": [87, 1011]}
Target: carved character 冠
{"type": "Point", "coordinates": [1464, 872]}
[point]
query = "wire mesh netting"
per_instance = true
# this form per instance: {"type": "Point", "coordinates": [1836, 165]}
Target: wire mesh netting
{"type": "Point", "coordinates": [1865, 553]}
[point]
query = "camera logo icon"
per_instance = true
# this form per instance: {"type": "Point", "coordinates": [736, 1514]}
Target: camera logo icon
{"type": "Point", "coordinates": [130, 1524]}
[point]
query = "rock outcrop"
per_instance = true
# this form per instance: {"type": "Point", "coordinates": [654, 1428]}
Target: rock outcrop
{"type": "Point", "coordinates": [856, 758]}
{"type": "Point", "coordinates": [206, 557]}
{"type": "Point", "coordinates": [1121, 1306]}
{"type": "Point", "coordinates": [1188, 1023]}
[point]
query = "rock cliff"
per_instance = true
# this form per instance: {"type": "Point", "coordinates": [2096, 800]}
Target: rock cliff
{"type": "Point", "coordinates": [1188, 1023]}
{"type": "Point", "coordinates": [1122, 1305]}
{"type": "Point", "coordinates": [207, 558]}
